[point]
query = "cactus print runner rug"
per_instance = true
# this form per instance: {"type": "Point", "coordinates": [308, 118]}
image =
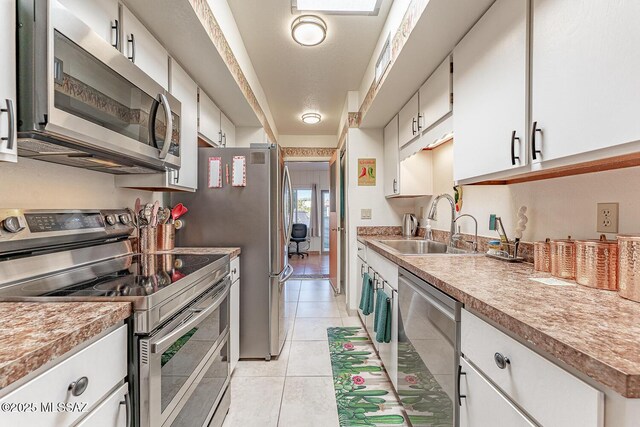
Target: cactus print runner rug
{"type": "Point", "coordinates": [364, 393]}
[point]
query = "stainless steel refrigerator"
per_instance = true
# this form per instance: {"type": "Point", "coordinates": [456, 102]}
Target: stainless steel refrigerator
{"type": "Point", "coordinates": [257, 218]}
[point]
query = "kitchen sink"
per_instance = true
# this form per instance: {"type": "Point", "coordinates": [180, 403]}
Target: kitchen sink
{"type": "Point", "coordinates": [420, 247]}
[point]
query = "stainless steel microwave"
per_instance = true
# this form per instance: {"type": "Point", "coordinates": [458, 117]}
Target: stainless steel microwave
{"type": "Point", "coordinates": [83, 103]}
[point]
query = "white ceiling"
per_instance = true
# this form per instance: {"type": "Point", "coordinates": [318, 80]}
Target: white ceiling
{"type": "Point", "coordinates": [298, 79]}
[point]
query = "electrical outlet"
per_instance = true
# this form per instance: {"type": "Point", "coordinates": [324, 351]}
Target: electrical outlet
{"type": "Point", "coordinates": [365, 213]}
{"type": "Point", "coordinates": [607, 218]}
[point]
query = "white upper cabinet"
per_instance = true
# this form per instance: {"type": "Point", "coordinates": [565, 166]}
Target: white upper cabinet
{"type": "Point", "coordinates": [585, 85]}
{"type": "Point", "coordinates": [228, 131]}
{"type": "Point", "coordinates": [411, 177]}
{"type": "Point", "coordinates": [186, 91]}
{"type": "Point", "coordinates": [8, 108]}
{"type": "Point", "coordinates": [408, 121]}
{"type": "Point", "coordinates": [141, 47]}
{"type": "Point", "coordinates": [100, 15]}
{"type": "Point", "coordinates": [391, 160]}
{"type": "Point", "coordinates": [490, 87]}
{"type": "Point", "coordinates": [209, 126]}
{"type": "Point", "coordinates": [435, 96]}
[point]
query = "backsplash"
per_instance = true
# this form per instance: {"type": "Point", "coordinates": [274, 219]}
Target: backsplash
{"type": "Point", "coordinates": [33, 184]}
{"type": "Point", "coordinates": [556, 208]}
{"type": "Point", "coordinates": [525, 249]}
{"type": "Point", "coordinates": [379, 231]}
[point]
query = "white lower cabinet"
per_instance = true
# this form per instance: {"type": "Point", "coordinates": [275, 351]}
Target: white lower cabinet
{"type": "Point", "coordinates": [385, 277]}
{"type": "Point", "coordinates": [234, 320]}
{"type": "Point", "coordinates": [548, 393]}
{"type": "Point", "coordinates": [389, 351]}
{"type": "Point", "coordinates": [83, 379]}
{"type": "Point", "coordinates": [484, 405]}
{"type": "Point", "coordinates": [112, 412]}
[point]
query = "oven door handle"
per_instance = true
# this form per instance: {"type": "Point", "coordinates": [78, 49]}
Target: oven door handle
{"type": "Point", "coordinates": [162, 343]}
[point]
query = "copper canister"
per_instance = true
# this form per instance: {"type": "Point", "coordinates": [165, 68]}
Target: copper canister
{"type": "Point", "coordinates": [148, 239]}
{"type": "Point", "coordinates": [629, 267]}
{"type": "Point", "coordinates": [166, 237]}
{"type": "Point", "coordinates": [597, 263]}
{"type": "Point", "coordinates": [542, 256]}
{"type": "Point", "coordinates": [563, 258]}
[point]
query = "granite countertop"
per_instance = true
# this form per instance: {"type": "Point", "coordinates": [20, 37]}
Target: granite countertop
{"type": "Point", "coordinates": [33, 333]}
{"type": "Point", "coordinates": [232, 252]}
{"type": "Point", "coordinates": [594, 331]}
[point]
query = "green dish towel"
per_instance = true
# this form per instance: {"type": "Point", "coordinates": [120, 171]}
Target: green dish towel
{"type": "Point", "coordinates": [382, 320]}
{"type": "Point", "coordinates": [366, 297]}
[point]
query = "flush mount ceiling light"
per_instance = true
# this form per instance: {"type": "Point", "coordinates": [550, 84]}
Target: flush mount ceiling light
{"type": "Point", "coordinates": [337, 7]}
{"type": "Point", "coordinates": [311, 118]}
{"type": "Point", "coordinates": [308, 30]}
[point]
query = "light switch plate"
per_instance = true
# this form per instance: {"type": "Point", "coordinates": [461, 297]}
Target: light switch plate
{"type": "Point", "coordinates": [607, 218]}
{"type": "Point", "coordinates": [365, 213]}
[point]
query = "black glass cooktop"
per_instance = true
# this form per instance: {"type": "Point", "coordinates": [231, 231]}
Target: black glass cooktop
{"type": "Point", "coordinates": [132, 275]}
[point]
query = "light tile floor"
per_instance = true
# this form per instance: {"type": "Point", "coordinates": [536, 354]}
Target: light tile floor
{"type": "Point", "coordinates": [314, 265]}
{"type": "Point", "coordinates": [296, 389]}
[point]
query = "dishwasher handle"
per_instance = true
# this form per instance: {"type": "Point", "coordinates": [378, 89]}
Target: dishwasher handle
{"type": "Point", "coordinates": [450, 312]}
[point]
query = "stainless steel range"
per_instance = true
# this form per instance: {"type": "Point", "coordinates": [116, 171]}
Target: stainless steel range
{"type": "Point", "coordinates": [179, 356]}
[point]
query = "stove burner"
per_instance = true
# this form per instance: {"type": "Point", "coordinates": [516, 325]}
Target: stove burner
{"type": "Point", "coordinates": [132, 275]}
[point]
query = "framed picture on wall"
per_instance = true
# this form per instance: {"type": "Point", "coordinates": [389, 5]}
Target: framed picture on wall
{"type": "Point", "coordinates": [366, 172]}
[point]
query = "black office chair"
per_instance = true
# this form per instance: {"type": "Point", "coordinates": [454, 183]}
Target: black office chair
{"type": "Point", "coordinates": [298, 235]}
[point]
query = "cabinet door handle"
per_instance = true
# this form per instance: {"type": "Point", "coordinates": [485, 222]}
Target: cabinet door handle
{"type": "Point", "coordinates": [127, 405]}
{"type": "Point", "coordinates": [116, 27]}
{"type": "Point", "coordinates": [395, 186]}
{"type": "Point", "coordinates": [533, 140]}
{"type": "Point", "coordinates": [501, 360]}
{"type": "Point", "coordinates": [420, 117]}
{"type": "Point", "coordinates": [220, 137]}
{"type": "Point", "coordinates": [413, 126]}
{"type": "Point", "coordinates": [514, 138]}
{"type": "Point", "coordinates": [79, 386]}
{"type": "Point", "coordinates": [460, 396]}
{"type": "Point", "coordinates": [224, 136]}
{"type": "Point", "coordinates": [132, 41]}
{"type": "Point", "coordinates": [11, 122]}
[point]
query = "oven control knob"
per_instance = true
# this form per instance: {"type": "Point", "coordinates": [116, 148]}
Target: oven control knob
{"type": "Point", "coordinates": [125, 219]}
{"type": "Point", "coordinates": [111, 219]}
{"type": "Point", "coordinates": [12, 224]}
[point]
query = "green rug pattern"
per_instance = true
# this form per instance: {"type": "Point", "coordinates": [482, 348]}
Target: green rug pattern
{"type": "Point", "coordinates": [364, 393]}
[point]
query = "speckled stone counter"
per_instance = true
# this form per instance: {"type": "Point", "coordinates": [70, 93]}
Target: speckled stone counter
{"type": "Point", "coordinates": [232, 252]}
{"type": "Point", "coordinates": [32, 334]}
{"type": "Point", "coordinates": [594, 331]}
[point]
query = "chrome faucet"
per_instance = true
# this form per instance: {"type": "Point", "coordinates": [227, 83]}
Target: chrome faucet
{"type": "Point", "coordinates": [433, 213]}
{"type": "Point", "coordinates": [475, 241]}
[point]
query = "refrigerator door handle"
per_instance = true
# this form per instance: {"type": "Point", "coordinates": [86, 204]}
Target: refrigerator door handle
{"type": "Point", "coordinates": [287, 226]}
{"type": "Point", "coordinates": [286, 273]}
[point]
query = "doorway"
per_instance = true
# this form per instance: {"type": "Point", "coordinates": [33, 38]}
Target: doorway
{"type": "Point", "coordinates": [311, 196]}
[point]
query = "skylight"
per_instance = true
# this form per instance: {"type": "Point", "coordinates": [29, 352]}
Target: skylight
{"type": "Point", "coordinates": [363, 7]}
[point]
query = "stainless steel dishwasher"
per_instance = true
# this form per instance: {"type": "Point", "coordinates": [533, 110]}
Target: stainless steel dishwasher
{"type": "Point", "coordinates": [428, 352]}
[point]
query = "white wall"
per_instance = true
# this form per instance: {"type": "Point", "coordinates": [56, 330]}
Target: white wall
{"type": "Point", "coordinates": [224, 16]}
{"type": "Point", "coordinates": [315, 141]}
{"type": "Point", "coordinates": [304, 179]}
{"type": "Point", "coordinates": [556, 208]}
{"type": "Point", "coordinates": [364, 143]}
{"type": "Point", "coordinates": [33, 184]}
